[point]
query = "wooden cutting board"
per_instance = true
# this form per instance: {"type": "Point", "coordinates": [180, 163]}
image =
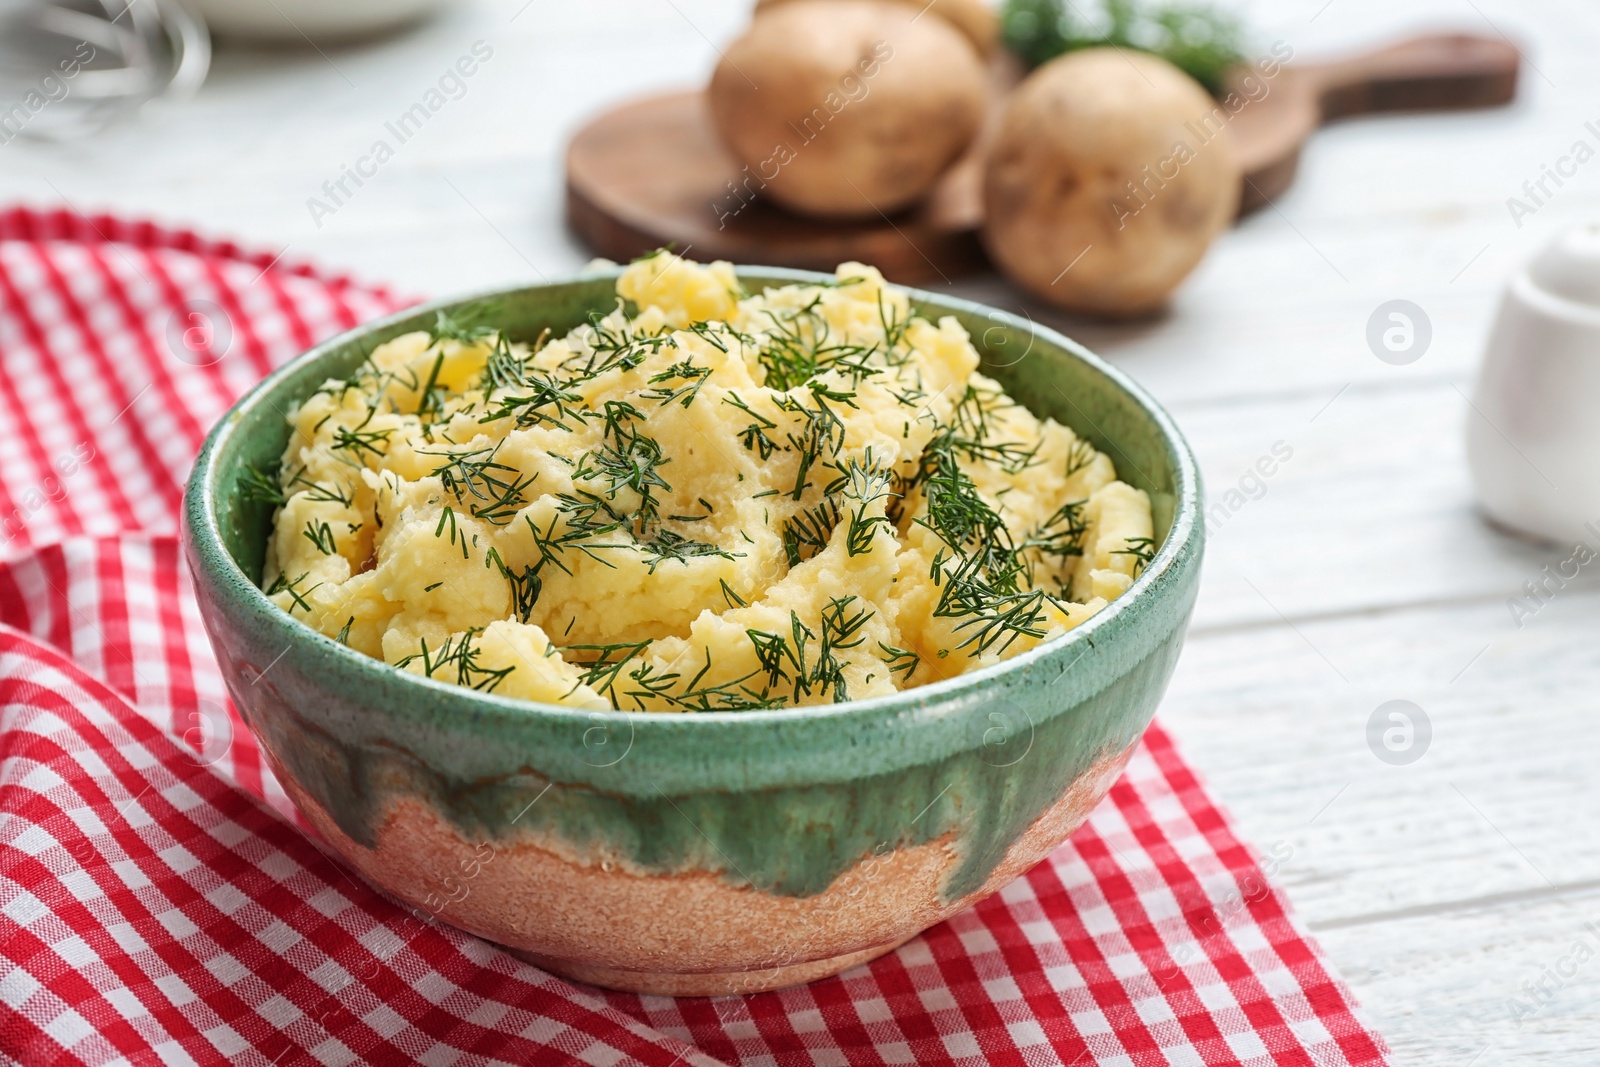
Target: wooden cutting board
{"type": "Point", "coordinates": [653, 172]}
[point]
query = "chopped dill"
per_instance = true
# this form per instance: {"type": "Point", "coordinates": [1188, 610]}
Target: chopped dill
{"type": "Point", "coordinates": [465, 326]}
{"type": "Point", "coordinates": [448, 517]}
{"type": "Point", "coordinates": [754, 436]}
{"type": "Point", "coordinates": [488, 489]}
{"type": "Point", "coordinates": [525, 585]}
{"type": "Point", "coordinates": [1079, 456]}
{"type": "Point", "coordinates": [545, 401]}
{"type": "Point", "coordinates": [298, 597]}
{"type": "Point", "coordinates": [359, 439]}
{"type": "Point", "coordinates": [463, 655]}
{"type": "Point", "coordinates": [322, 493]}
{"type": "Point", "coordinates": [900, 661]}
{"type": "Point", "coordinates": [633, 463]}
{"type": "Point", "coordinates": [825, 367]}
{"type": "Point", "coordinates": [684, 371]}
{"type": "Point", "coordinates": [1142, 549]}
{"type": "Point", "coordinates": [257, 486]}
{"type": "Point", "coordinates": [792, 658]}
{"type": "Point", "coordinates": [807, 533]}
{"type": "Point", "coordinates": [320, 534]}
{"type": "Point", "coordinates": [666, 545]}
{"type": "Point", "coordinates": [604, 665]}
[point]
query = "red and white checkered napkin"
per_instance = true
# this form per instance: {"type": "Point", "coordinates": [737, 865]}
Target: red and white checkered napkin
{"type": "Point", "coordinates": [159, 905]}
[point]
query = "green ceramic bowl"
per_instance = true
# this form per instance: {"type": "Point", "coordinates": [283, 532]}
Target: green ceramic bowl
{"type": "Point", "coordinates": [704, 853]}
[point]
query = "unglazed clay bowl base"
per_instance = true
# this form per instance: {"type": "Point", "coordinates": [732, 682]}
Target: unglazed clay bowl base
{"type": "Point", "coordinates": [715, 852]}
{"type": "Point", "coordinates": [553, 911]}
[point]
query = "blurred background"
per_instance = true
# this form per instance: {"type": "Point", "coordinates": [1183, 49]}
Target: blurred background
{"type": "Point", "coordinates": [1445, 884]}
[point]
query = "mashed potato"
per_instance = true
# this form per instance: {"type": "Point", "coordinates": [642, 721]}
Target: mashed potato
{"type": "Point", "coordinates": [719, 502]}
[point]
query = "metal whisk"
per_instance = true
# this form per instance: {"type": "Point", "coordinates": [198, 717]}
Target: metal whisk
{"type": "Point", "coordinates": [71, 67]}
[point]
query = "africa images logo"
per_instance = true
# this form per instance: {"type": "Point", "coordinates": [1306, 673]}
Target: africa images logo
{"type": "Point", "coordinates": [451, 85]}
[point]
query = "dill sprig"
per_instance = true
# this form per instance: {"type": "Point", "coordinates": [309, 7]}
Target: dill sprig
{"type": "Point", "coordinates": [789, 356]}
{"type": "Point", "coordinates": [1061, 535]}
{"type": "Point", "coordinates": [488, 489]}
{"type": "Point", "coordinates": [799, 346]}
{"type": "Point", "coordinates": [1142, 549]}
{"type": "Point", "coordinates": [685, 371]}
{"type": "Point", "coordinates": [718, 334]}
{"type": "Point", "coordinates": [463, 655]}
{"type": "Point", "coordinates": [296, 596]}
{"type": "Point", "coordinates": [807, 533]}
{"type": "Point", "coordinates": [1079, 455]}
{"type": "Point", "coordinates": [894, 332]}
{"type": "Point", "coordinates": [730, 695]}
{"type": "Point", "coordinates": [505, 368]}
{"type": "Point", "coordinates": [580, 522]}
{"type": "Point", "coordinates": [358, 439]}
{"type": "Point", "coordinates": [546, 402]}
{"type": "Point", "coordinates": [525, 585]}
{"type": "Point", "coordinates": [900, 661]}
{"type": "Point", "coordinates": [666, 545]}
{"type": "Point", "coordinates": [792, 660]}
{"type": "Point", "coordinates": [430, 404]}
{"type": "Point", "coordinates": [754, 436]}
{"type": "Point", "coordinates": [358, 381]}
{"type": "Point", "coordinates": [604, 665]}
{"type": "Point", "coordinates": [586, 516]}
{"type": "Point", "coordinates": [320, 534]}
{"type": "Point", "coordinates": [980, 570]}
{"type": "Point", "coordinates": [821, 430]}
{"type": "Point", "coordinates": [447, 517]}
{"type": "Point", "coordinates": [343, 495]}
{"type": "Point", "coordinates": [629, 460]}
{"type": "Point", "coordinates": [866, 483]}
{"type": "Point", "coordinates": [973, 421]}
{"type": "Point", "coordinates": [465, 325]}
{"type": "Point", "coordinates": [995, 619]}
{"type": "Point", "coordinates": [259, 487]}
{"type": "Point", "coordinates": [610, 348]}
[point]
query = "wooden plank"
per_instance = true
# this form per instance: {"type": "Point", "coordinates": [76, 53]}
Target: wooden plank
{"type": "Point", "coordinates": [1442, 885]}
{"type": "Point", "coordinates": [1453, 989]}
{"type": "Point", "coordinates": [1373, 509]}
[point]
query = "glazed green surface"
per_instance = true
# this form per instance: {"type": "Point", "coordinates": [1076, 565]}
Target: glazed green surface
{"type": "Point", "coordinates": [781, 800]}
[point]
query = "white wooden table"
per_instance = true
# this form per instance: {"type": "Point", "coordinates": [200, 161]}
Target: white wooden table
{"type": "Point", "coordinates": [1442, 889]}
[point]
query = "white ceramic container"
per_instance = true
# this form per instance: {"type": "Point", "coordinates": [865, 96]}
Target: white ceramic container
{"type": "Point", "coordinates": [319, 20]}
{"type": "Point", "coordinates": [1533, 438]}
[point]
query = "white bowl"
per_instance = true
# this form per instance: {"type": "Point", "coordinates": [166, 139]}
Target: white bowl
{"type": "Point", "coordinates": [321, 20]}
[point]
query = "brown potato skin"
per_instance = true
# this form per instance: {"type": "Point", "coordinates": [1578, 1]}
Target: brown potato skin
{"type": "Point", "coordinates": [1072, 137]}
{"type": "Point", "coordinates": [782, 101]}
{"type": "Point", "coordinates": [974, 18]}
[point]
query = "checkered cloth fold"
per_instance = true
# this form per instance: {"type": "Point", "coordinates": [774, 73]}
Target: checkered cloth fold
{"type": "Point", "coordinates": [160, 902]}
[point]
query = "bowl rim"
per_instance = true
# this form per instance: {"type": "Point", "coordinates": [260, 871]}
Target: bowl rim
{"type": "Point", "coordinates": [211, 557]}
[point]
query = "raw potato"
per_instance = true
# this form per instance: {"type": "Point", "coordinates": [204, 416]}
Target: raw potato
{"type": "Point", "coordinates": [1115, 157]}
{"type": "Point", "coordinates": [974, 18]}
{"type": "Point", "coordinates": [847, 108]}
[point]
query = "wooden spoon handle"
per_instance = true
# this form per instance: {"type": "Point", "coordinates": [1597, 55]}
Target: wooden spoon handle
{"type": "Point", "coordinates": [1431, 73]}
